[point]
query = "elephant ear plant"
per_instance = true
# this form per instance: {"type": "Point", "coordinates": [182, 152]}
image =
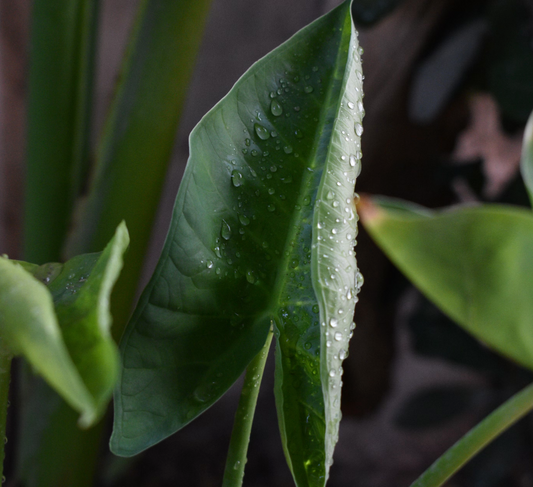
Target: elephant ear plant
{"type": "Point", "coordinates": [476, 264]}
{"type": "Point", "coordinates": [261, 242]}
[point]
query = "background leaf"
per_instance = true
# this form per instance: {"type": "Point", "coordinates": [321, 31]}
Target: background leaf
{"type": "Point", "coordinates": [59, 120]}
{"type": "Point", "coordinates": [241, 254]}
{"type": "Point", "coordinates": [474, 263]}
{"type": "Point", "coordinates": [526, 162]}
{"type": "Point", "coordinates": [81, 291]}
{"type": "Point", "coordinates": [29, 327]}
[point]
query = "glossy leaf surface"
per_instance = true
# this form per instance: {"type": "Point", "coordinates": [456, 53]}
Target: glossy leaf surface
{"type": "Point", "coordinates": [70, 334]}
{"type": "Point", "coordinates": [262, 235]}
{"type": "Point", "coordinates": [475, 263]}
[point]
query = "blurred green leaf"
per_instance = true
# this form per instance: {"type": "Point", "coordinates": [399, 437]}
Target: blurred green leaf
{"type": "Point", "coordinates": [475, 263]}
{"type": "Point", "coordinates": [29, 327]}
{"type": "Point", "coordinates": [63, 36]}
{"type": "Point", "coordinates": [137, 142]}
{"type": "Point", "coordinates": [526, 163]}
{"type": "Point", "coordinates": [262, 235]}
{"type": "Point", "coordinates": [80, 290]}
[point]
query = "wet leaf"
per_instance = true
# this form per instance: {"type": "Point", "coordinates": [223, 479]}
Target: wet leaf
{"type": "Point", "coordinates": [262, 235]}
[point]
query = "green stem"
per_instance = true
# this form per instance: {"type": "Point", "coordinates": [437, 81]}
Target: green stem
{"type": "Point", "coordinates": [240, 436]}
{"type": "Point", "coordinates": [477, 438]}
{"type": "Point", "coordinates": [5, 378]}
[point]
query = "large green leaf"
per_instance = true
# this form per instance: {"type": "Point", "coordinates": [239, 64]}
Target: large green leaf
{"type": "Point", "coordinates": [526, 162]}
{"type": "Point", "coordinates": [262, 235]}
{"type": "Point", "coordinates": [475, 263]}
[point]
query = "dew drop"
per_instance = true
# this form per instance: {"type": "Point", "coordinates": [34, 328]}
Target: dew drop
{"type": "Point", "coordinates": [338, 336]}
{"type": "Point", "coordinates": [244, 220]}
{"type": "Point", "coordinates": [315, 308]}
{"type": "Point", "coordinates": [328, 343]}
{"type": "Point", "coordinates": [237, 465]}
{"type": "Point", "coordinates": [351, 106]}
{"type": "Point", "coordinates": [276, 108]}
{"type": "Point", "coordinates": [250, 277]}
{"type": "Point", "coordinates": [299, 134]}
{"type": "Point", "coordinates": [261, 131]}
{"type": "Point", "coordinates": [271, 208]}
{"type": "Point", "coordinates": [336, 204]}
{"type": "Point", "coordinates": [209, 264]}
{"type": "Point", "coordinates": [353, 160]}
{"type": "Point", "coordinates": [332, 373]}
{"type": "Point", "coordinates": [330, 195]}
{"type": "Point", "coordinates": [218, 253]}
{"type": "Point", "coordinates": [271, 190]}
{"type": "Point", "coordinates": [358, 129]}
{"type": "Point", "coordinates": [247, 142]}
{"type": "Point", "coordinates": [333, 322]}
{"type": "Point", "coordinates": [308, 89]}
{"type": "Point", "coordinates": [342, 354]}
{"type": "Point", "coordinates": [306, 200]}
{"type": "Point", "coordinates": [225, 230]}
{"type": "Point", "coordinates": [287, 149]}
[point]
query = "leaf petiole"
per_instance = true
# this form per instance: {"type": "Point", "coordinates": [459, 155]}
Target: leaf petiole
{"type": "Point", "coordinates": [240, 436]}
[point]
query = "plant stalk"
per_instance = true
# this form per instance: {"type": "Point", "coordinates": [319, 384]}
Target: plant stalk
{"type": "Point", "coordinates": [476, 439]}
{"type": "Point", "coordinates": [240, 436]}
{"type": "Point", "coordinates": [5, 378]}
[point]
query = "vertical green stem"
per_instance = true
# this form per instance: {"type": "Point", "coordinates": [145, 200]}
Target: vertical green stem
{"type": "Point", "coordinates": [5, 377]}
{"type": "Point", "coordinates": [476, 439]}
{"type": "Point", "coordinates": [240, 436]}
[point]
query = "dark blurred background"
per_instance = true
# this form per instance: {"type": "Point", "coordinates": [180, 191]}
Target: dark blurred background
{"type": "Point", "coordinates": [448, 88]}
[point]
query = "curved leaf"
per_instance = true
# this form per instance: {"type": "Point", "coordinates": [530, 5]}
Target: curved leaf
{"type": "Point", "coordinates": [29, 326]}
{"type": "Point", "coordinates": [262, 235]}
{"type": "Point", "coordinates": [475, 263]}
{"type": "Point", "coordinates": [70, 346]}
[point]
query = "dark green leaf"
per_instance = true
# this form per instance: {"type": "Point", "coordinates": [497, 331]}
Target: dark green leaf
{"type": "Point", "coordinates": [59, 108]}
{"type": "Point", "coordinates": [526, 163]}
{"type": "Point", "coordinates": [262, 235]}
{"type": "Point", "coordinates": [475, 263]}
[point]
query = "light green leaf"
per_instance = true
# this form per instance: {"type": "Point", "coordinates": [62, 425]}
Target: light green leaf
{"type": "Point", "coordinates": [29, 326]}
{"type": "Point", "coordinates": [262, 235]}
{"type": "Point", "coordinates": [526, 163]}
{"type": "Point", "coordinates": [70, 346]}
{"type": "Point", "coordinates": [475, 263]}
